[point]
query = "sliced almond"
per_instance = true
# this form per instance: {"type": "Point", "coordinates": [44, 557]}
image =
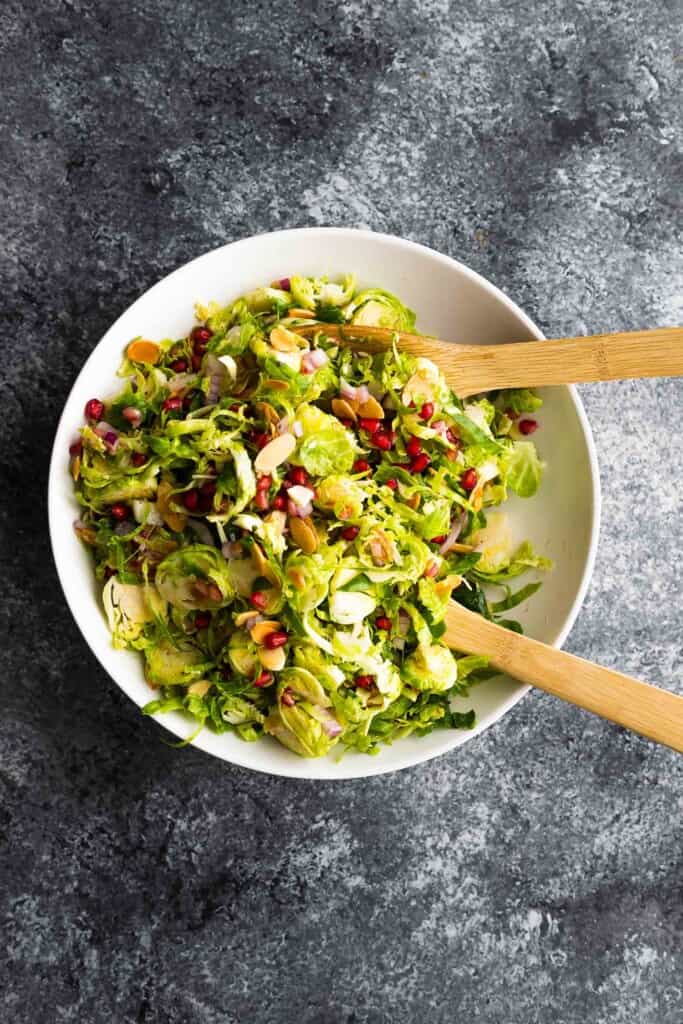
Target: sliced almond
{"type": "Point", "coordinates": [76, 467]}
{"type": "Point", "coordinates": [267, 413]}
{"type": "Point", "coordinates": [276, 385]}
{"type": "Point", "coordinates": [283, 340]}
{"type": "Point", "coordinates": [245, 617]}
{"type": "Point", "coordinates": [342, 409]}
{"type": "Point", "coordinates": [263, 566]}
{"type": "Point", "coordinates": [273, 660]}
{"type": "Point", "coordinates": [371, 409]}
{"type": "Point", "coordinates": [275, 453]}
{"type": "Point", "coordinates": [301, 314]}
{"type": "Point", "coordinates": [297, 578]}
{"type": "Point", "coordinates": [175, 521]}
{"type": "Point", "coordinates": [87, 534]}
{"type": "Point", "coordinates": [446, 586]}
{"type": "Point", "coordinates": [413, 501]}
{"type": "Point", "coordinates": [303, 534]}
{"type": "Point", "coordinates": [260, 630]}
{"type": "Point", "coordinates": [201, 687]}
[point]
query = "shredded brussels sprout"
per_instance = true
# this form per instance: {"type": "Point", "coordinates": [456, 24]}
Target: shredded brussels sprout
{"type": "Point", "coordinates": [278, 523]}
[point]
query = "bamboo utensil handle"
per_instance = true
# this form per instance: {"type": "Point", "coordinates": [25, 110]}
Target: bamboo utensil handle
{"type": "Point", "coordinates": [648, 710]}
{"type": "Point", "coordinates": [470, 369]}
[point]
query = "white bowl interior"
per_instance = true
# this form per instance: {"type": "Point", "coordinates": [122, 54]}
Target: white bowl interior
{"type": "Point", "coordinates": [451, 302]}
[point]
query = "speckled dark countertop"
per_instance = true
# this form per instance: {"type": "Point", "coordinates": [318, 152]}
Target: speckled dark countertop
{"type": "Point", "coordinates": [533, 876]}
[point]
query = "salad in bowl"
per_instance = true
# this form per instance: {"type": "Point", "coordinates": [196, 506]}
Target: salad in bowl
{"type": "Point", "coordinates": [278, 523]}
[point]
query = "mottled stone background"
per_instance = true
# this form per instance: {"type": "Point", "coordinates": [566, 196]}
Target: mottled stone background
{"type": "Point", "coordinates": [533, 876]}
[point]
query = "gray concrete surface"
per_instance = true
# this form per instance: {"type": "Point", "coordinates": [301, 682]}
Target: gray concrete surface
{"type": "Point", "coordinates": [533, 876]}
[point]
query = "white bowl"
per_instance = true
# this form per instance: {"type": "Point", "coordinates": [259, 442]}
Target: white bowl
{"type": "Point", "coordinates": [451, 302]}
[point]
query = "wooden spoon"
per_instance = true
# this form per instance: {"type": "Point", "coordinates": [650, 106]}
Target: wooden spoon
{"type": "Point", "coordinates": [470, 369]}
{"type": "Point", "coordinates": [655, 713]}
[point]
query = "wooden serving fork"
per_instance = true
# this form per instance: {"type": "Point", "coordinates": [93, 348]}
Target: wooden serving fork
{"type": "Point", "coordinates": [470, 369]}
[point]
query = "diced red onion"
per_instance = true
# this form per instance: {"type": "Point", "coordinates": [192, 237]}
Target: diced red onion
{"type": "Point", "coordinates": [133, 415]}
{"type": "Point", "coordinates": [432, 570]}
{"type": "Point", "coordinates": [317, 357]}
{"type": "Point", "coordinates": [180, 381]}
{"type": "Point", "coordinates": [297, 429]}
{"type": "Point", "coordinates": [217, 374]}
{"type": "Point", "coordinates": [362, 393]}
{"type": "Point", "coordinates": [331, 726]}
{"type": "Point", "coordinates": [199, 527]}
{"type": "Point", "coordinates": [456, 527]}
{"type": "Point", "coordinates": [103, 428]}
{"type": "Point", "coordinates": [299, 511]}
{"type": "Point", "coordinates": [347, 390]}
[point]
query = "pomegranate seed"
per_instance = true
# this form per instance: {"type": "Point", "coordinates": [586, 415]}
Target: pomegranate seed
{"type": "Point", "coordinates": [262, 501]}
{"type": "Point", "coordinates": [279, 502]}
{"type": "Point", "coordinates": [287, 697]}
{"type": "Point", "coordinates": [382, 440]}
{"type": "Point", "coordinates": [382, 622]}
{"type": "Point", "coordinates": [205, 504]}
{"type": "Point", "coordinates": [298, 475]}
{"type": "Point", "coordinates": [345, 422]}
{"type": "Point", "coordinates": [208, 488]}
{"type": "Point", "coordinates": [109, 572]}
{"type": "Point", "coordinates": [201, 337]}
{"type": "Point", "coordinates": [94, 409]}
{"type": "Point", "coordinates": [191, 500]}
{"type": "Point", "coordinates": [285, 284]}
{"type": "Point", "coordinates": [365, 682]}
{"type": "Point", "coordinates": [76, 449]}
{"type": "Point", "coordinates": [468, 480]}
{"type": "Point", "coordinates": [391, 484]}
{"type": "Point", "coordinates": [197, 362]}
{"type": "Point", "coordinates": [119, 511]}
{"type": "Point", "coordinates": [187, 402]}
{"type": "Point", "coordinates": [438, 540]}
{"type": "Point", "coordinates": [365, 423]}
{"type": "Point", "coordinates": [361, 466]}
{"type": "Point", "coordinates": [276, 639]}
{"type": "Point", "coordinates": [419, 464]}
{"type": "Point", "coordinates": [260, 439]}
{"type": "Point", "coordinates": [138, 458]}
{"type": "Point", "coordinates": [511, 414]}
{"type": "Point", "coordinates": [258, 600]}
{"type": "Point", "coordinates": [527, 426]}
{"type": "Point", "coordinates": [202, 620]}
{"type": "Point", "coordinates": [172, 404]}
{"type": "Point", "coordinates": [350, 532]}
{"type": "Point", "coordinates": [265, 679]}
{"type": "Point", "coordinates": [452, 437]}
{"type": "Point", "coordinates": [414, 448]}
{"type": "Point", "coordinates": [179, 365]}
{"type": "Point", "coordinates": [427, 411]}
